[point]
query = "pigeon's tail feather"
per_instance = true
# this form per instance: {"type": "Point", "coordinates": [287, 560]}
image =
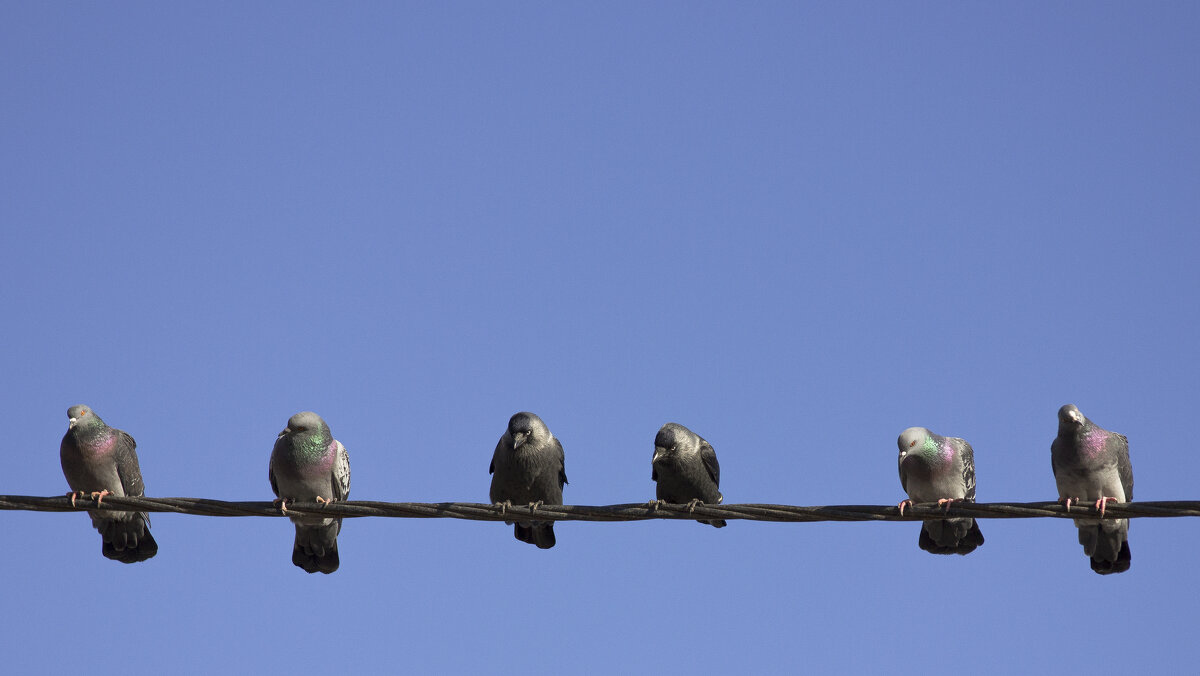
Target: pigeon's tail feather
{"type": "Point", "coordinates": [1108, 549]}
{"type": "Point", "coordinates": [536, 533]}
{"type": "Point", "coordinates": [126, 540]}
{"type": "Point", "coordinates": [950, 536]}
{"type": "Point", "coordinates": [715, 523]}
{"type": "Point", "coordinates": [315, 549]}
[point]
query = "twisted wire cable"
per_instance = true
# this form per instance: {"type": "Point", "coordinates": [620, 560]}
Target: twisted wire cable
{"type": "Point", "coordinates": [641, 511]}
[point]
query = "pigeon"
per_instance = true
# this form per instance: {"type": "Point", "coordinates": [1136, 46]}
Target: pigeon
{"type": "Point", "coordinates": [307, 463]}
{"type": "Point", "coordinates": [527, 469]}
{"type": "Point", "coordinates": [99, 460]}
{"type": "Point", "coordinates": [933, 467]}
{"type": "Point", "coordinates": [1090, 463]}
{"type": "Point", "coordinates": [686, 470]}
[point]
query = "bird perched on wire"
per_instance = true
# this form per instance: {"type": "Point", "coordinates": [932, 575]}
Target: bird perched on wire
{"type": "Point", "coordinates": [307, 463]}
{"type": "Point", "coordinates": [933, 467]}
{"type": "Point", "coordinates": [1090, 463]}
{"type": "Point", "coordinates": [99, 460]}
{"type": "Point", "coordinates": [528, 469]}
{"type": "Point", "coordinates": [685, 469]}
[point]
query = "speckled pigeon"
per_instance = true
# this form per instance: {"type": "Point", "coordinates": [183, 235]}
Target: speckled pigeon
{"type": "Point", "coordinates": [528, 469]}
{"type": "Point", "coordinates": [1090, 463]}
{"type": "Point", "coordinates": [99, 460]}
{"type": "Point", "coordinates": [933, 467]}
{"type": "Point", "coordinates": [685, 468]}
{"type": "Point", "coordinates": [309, 464]}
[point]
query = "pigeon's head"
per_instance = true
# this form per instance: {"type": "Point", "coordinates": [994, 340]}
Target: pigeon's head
{"type": "Point", "coordinates": [1070, 417]}
{"type": "Point", "coordinates": [303, 422]}
{"type": "Point", "coordinates": [81, 415]}
{"type": "Point", "coordinates": [525, 426]}
{"type": "Point", "coordinates": [672, 438]}
{"type": "Point", "coordinates": [915, 440]}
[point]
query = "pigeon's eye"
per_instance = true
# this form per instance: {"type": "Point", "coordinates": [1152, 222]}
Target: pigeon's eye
{"type": "Point", "coordinates": [912, 443]}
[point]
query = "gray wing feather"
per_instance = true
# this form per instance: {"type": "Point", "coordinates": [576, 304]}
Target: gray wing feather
{"type": "Point", "coordinates": [709, 456]}
{"type": "Point", "coordinates": [562, 463]}
{"type": "Point", "coordinates": [341, 473]}
{"type": "Point", "coordinates": [127, 466]}
{"type": "Point", "coordinates": [968, 472]}
{"type": "Point", "coordinates": [1118, 444]}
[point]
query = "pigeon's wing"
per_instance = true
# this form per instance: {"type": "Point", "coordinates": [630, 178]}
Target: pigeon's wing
{"type": "Point", "coordinates": [128, 470]}
{"type": "Point", "coordinates": [496, 454]}
{"type": "Point", "coordinates": [709, 457]}
{"type": "Point", "coordinates": [271, 472]}
{"type": "Point", "coordinates": [968, 471]}
{"type": "Point", "coordinates": [562, 463]}
{"type": "Point", "coordinates": [1118, 444]}
{"type": "Point", "coordinates": [341, 473]}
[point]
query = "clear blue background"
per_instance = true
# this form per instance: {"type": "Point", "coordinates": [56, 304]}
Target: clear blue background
{"type": "Point", "coordinates": [797, 228]}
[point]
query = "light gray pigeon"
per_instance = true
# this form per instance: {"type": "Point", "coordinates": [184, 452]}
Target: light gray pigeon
{"type": "Point", "coordinates": [685, 468]}
{"type": "Point", "coordinates": [1090, 463]}
{"type": "Point", "coordinates": [98, 461]}
{"type": "Point", "coordinates": [309, 464]}
{"type": "Point", "coordinates": [528, 469]}
{"type": "Point", "coordinates": [933, 467]}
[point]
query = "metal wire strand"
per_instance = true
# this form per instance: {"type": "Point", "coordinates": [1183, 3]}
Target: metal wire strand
{"type": "Point", "coordinates": [640, 511]}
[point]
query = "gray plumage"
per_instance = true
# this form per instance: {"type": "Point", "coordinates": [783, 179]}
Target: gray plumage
{"type": "Point", "coordinates": [308, 464]}
{"type": "Point", "coordinates": [100, 460]}
{"type": "Point", "coordinates": [528, 468]}
{"type": "Point", "coordinates": [942, 469]}
{"type": "Point", "coordinates": [685, 469]}
{"type": "Point", "coordinates": [1090, 463]}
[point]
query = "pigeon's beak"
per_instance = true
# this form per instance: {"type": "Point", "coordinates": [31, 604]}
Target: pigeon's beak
{"type": "Point", "coordinates": [284, 432]}
{"type": "Point", "coordinates": [1073, 415]}
{"type": "Point", "coordinates": [72, 422]}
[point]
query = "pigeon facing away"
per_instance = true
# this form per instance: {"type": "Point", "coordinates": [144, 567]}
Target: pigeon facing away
{"type": "Point", "coordinates": [933, 467]}
{"type": "Point", "coordinates": [1090, 463]}
{"type": "Point", "coordinates": [309, 464]}
{"type": "Point", "coordinates": [685, 468]}
{"type": "Point", "coordinates": [100, 460]}
{"type": "Point", "coordinates": [527, 469]}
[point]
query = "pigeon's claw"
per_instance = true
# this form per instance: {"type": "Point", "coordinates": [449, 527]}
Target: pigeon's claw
{"type": "Point", "coordinates": [945, 503]}
{"type": "Point", "coordinates": [98, 496]}
{"type": "Point", "coordinates": [1102, 502]}
{"type": "Point", "coordinates": [281, 503]}
{"type": "Point", "coordinates": [324, 502]}
{"type": "Point", "coordinates": [75, 494]}
{"type": "Point", "coordinates": [1066, 502]}
{"type": "Point", "coordinates": [902, 504]}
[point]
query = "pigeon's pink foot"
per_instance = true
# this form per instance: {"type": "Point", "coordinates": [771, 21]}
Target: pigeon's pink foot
{"type": "Point", "coordinates": [281, 503]}
{"type": "Point", "coordinates": [75, 494]}
{"type": "Point", "coordinates": [1102, 502]}
{"type": "Point", "coordinates": [98, 496]}
{"type": "Point", "coordinates": [944, 503]}
{"type": "Point", "coordinates": [1066, 502]}
{"type": "Point", "coordinates": [902, 505]}
{"type": "Point", "coordinates": [323, 501]}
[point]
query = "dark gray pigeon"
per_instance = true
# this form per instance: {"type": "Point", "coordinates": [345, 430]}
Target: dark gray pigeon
{"type": "Point", "coordinates": [309, 464]}
{"type": "Point", "coordinates": [933, 467]}
{"type": "Point", "coordinates": [686, 470]}
{"type": "Point", "coordinates": [98, 461]}
{"type": "Point", "coordinates": [1090, 463]}
{"type": "Point", "coordinates": [527, 469]}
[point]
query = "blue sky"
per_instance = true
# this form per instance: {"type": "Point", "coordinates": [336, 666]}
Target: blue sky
{"type": "Point", "coordinates": [796, 228]}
